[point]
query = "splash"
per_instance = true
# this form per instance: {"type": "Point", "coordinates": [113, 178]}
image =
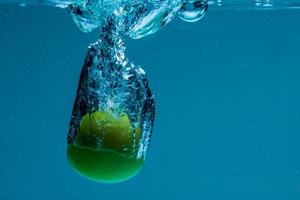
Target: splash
{"type": "Point", "coordinates": [113, 113]}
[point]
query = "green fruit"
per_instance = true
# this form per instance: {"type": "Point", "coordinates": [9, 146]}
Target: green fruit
{"type": "Point", "coordinates": [102, 149]}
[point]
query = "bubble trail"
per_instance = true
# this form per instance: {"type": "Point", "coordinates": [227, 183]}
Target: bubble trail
{"type": "Point", "coordinates": [113, 113]}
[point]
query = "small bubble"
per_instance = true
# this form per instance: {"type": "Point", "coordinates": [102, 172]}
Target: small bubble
{"type": "Point", "coordinates": [192, 11]}
{"type": "Point", "coordinates": [23, 4]}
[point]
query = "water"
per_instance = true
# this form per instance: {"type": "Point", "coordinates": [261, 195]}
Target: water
{"type": "Point", "coordinates": [219, 4]}
{"type": "Point", "coordinates": [227, 119]}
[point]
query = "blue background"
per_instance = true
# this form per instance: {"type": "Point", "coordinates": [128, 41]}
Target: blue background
{"type": "Point", "coordinates": [228, 107]}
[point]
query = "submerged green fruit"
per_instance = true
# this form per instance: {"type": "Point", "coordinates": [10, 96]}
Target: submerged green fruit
{"type": "Point", "coordinates": [103, 166]}
{"type": "Point", "coordinates": [102, 149]}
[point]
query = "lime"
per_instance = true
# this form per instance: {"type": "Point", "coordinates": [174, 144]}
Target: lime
{"type": "Point", "coordinates": [102, 149]}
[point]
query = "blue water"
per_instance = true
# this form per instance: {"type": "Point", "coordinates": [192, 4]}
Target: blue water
{"type": "Point", "coordinates": [227, 95]}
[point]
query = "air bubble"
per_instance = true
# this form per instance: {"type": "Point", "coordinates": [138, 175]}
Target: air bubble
{"type": "Point", "coordinates": [193, 11]}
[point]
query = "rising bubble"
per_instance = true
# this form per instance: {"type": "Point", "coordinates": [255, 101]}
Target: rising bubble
{"type": "Point", "coordinates": [192, 11]}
